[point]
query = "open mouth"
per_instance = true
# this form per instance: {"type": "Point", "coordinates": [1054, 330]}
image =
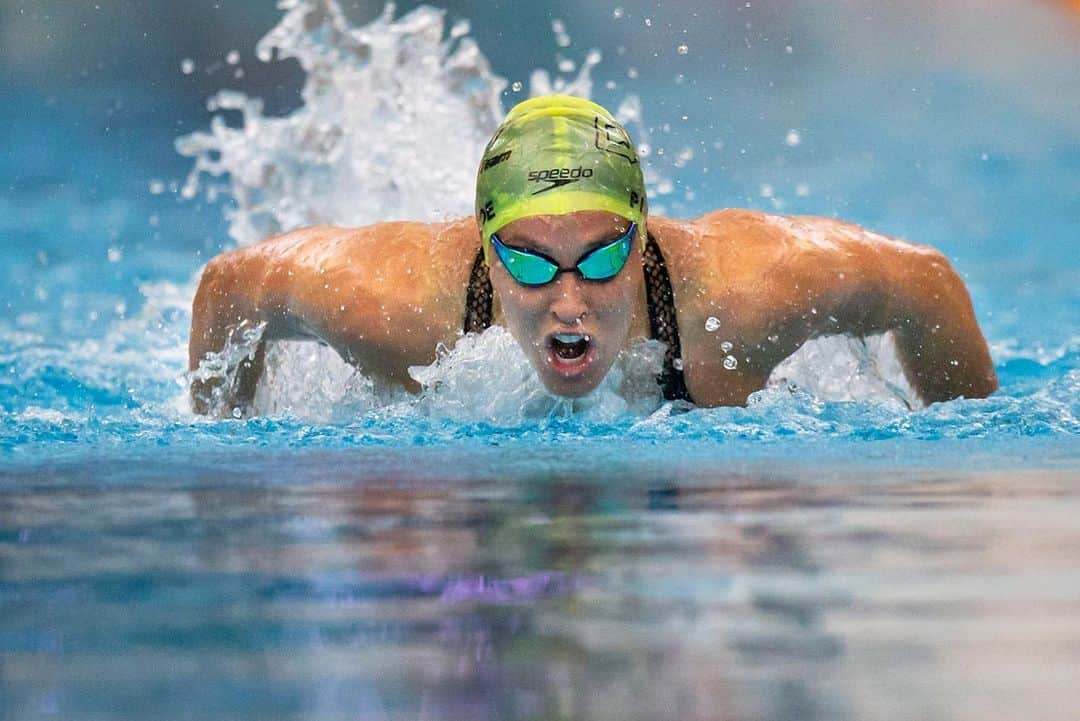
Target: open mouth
{"type": "Point", "coordinates": [570, 347]}
{"type": "Point", "coordinates": [570, 353]}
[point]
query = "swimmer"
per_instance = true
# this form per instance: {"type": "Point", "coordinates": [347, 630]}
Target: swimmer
{"type": "Point", "coordinates": [562, 252]}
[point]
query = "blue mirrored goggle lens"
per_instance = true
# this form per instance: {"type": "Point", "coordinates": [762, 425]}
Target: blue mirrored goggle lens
{"type": "Point", "coordinates": [606, 262]}
{"type": "Point", "coordinates": [525, 268]}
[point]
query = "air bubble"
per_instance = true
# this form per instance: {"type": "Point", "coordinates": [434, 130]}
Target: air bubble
{"type": "Point", "coordinates": [726, 346]}
{"type": "Point", "coordinates": [682, 50]}
{"type": "Point", "coordinates": [516, 87]}
{"type": "Point", "coordinates": [618, 13]}
{"type": "Point", "coordinates": [677, 364]}
{"type": "Point", "coordinates": [233, 57]}
{"type": "Point", "coordinates": [187, 66]}
{"type": "Point", "coordinates": [730, 363]}
{"type": "Point", "coordinates": [712, 323]}
{"type": "Point", "coordinates": [792, 138]}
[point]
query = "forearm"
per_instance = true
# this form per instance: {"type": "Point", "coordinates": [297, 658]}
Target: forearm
{"type": "Point", "coordinates": [227, 315]}
{"type": "Point", "coordinates": [940, 344]}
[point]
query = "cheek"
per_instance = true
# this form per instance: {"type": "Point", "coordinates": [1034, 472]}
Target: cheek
{"type": "Point", "coordinates": [522, 309]}
{"type": "Point", "coordinates": [614, 299]}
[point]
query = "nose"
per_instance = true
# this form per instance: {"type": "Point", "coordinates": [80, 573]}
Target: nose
{"type": "Point", "coordinates": [569, 305]}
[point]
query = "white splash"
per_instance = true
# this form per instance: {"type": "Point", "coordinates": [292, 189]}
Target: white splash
{"type": "Point", "coordinates": [394, 119]}
{"type": "Point", "coordinates": [843, 368]}
{"type": "Point", "coordinates": [459, 384]}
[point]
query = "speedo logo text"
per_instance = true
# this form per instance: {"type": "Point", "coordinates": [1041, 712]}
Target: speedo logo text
{"type": "Point", "coordinates": [558, 177]}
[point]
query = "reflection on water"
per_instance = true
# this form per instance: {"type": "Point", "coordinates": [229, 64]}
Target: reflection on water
{"type": "Point", "coordinates": [719, 596]}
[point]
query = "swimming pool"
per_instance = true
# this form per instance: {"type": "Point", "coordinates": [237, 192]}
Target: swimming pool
{"type": "Point", "coordinates": [358, 553]}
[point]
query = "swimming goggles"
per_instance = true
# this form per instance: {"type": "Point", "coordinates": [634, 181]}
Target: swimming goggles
{"type": "Point", "coordinates": [534, 269]}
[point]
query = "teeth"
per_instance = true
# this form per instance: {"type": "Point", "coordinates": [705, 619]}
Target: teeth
{"type": "Point", "coordinates": [570, 337]}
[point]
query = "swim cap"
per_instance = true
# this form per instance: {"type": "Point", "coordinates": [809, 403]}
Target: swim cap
{"type": "Point", "coordinates": [554, 155]}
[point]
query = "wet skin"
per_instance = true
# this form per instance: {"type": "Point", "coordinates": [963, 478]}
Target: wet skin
{"type": "Point", "coordinates": [385, 295]}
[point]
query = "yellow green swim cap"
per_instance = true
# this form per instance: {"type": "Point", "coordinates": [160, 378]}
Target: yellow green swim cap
{"type": "Point", "coordinates": [554, 155]}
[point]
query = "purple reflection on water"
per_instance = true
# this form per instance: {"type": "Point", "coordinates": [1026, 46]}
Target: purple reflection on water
{"type": "Point", "coordinates": [504, 590]}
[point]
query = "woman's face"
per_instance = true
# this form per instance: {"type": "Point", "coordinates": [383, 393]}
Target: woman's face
{"type": "Point", "coordinates": [571, 329]}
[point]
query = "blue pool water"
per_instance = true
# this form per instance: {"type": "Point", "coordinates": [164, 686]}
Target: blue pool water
{"type": "Point", "coordinates": [355, 553]}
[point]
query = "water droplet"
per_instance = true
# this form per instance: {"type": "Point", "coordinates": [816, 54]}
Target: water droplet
{"type": "Point", "coordinates": [766, 190]}
{"type": "Point", "coordinates": [788, 49]}
{"type": "Point", "coordinates": [726, 346]}
{"type": "Point", "coordinates": [157, 187]}
{"type": "Point", "coordinates": [461, 29]}
{"type": "Point", "coordinates": [792, 138]}
{"type": "Point", "coordinates": [187, 66]}
{"type": "Point", "coordinates": [730, 363]}
{"type": "Point", "coordinates": [712, 323]}
{"type": "Point", "coordinates": [682, 50]}
{"type": "Point", "coordinates": [632, 73]}
{"type": "Point", "coordinates": [558, 26]}
{"type": "Point", "coordinates": [566, 65]}
{"type": "Point", "coordinates": [114, 254]}
{"type": "Point", "coordinates": [233, 57]}
{"type": "Point", "coordinates": [802, 190]}
{"type": "Point", "coordinates": [516, 87]}
{"type": "Point", "coordinates": [774, 339]}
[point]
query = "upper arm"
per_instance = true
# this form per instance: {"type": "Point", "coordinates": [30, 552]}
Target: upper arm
{"type": "Point", "coordinates": [774, 282]}
{"type": "Point", "coordinates": [831, 277]}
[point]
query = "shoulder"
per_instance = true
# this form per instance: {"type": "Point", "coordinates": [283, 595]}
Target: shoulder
{"type": "Point", "coordinates": [740, 245]}
{"type": "Point", "coordinates": [327, 249]}
{"type": "Point", "coordinates": [315, 244]}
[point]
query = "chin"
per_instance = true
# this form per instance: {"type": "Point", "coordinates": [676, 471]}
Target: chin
{"type": "Point", "coordinates": [569, 390]}
{"type": "Point", "coordinates": [572, 382]}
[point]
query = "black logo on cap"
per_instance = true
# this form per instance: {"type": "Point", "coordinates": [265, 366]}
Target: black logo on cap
{"type": "Point", "coordinates": [495, 160]}
{"type": "Point", "coordinates": [613, 139]}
